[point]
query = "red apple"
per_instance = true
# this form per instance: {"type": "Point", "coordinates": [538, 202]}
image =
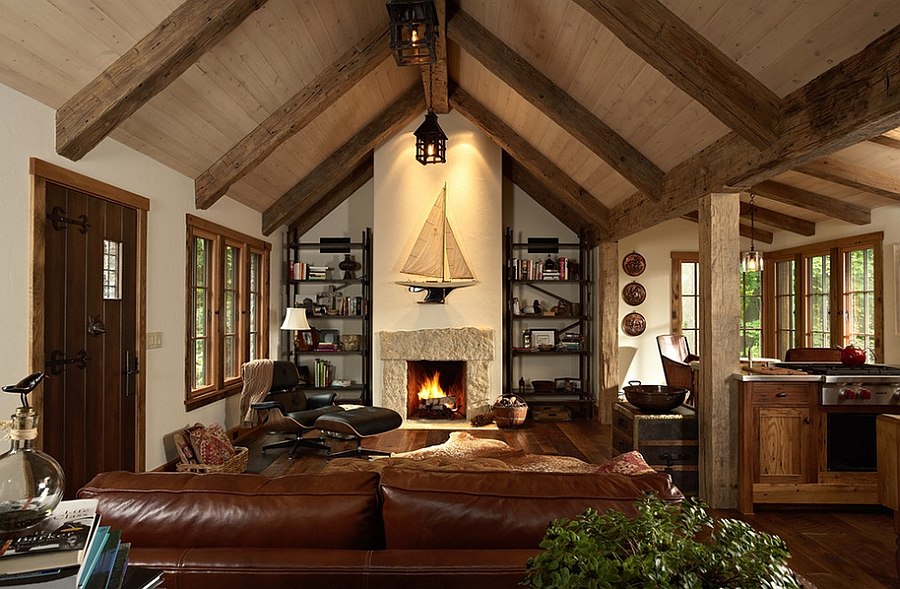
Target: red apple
{"type": "Point", "coordinates": [853, 356]}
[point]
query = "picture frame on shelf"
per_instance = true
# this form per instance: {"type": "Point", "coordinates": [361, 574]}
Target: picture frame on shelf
{"type": "Point", "coordinates": [543, 339]}
{"type": "Point", "coordinates": [307, 340]}
{"type": "Point", "coordinates": [567, 385]}
{"type": "Point", "coordinates": [329, 336]}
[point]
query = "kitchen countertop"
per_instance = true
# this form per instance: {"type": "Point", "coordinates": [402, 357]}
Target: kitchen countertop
{"type": "Point", "coordinates": [748, 377]}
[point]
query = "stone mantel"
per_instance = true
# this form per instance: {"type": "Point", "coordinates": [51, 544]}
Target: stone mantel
{"type": "Point", "coordinates": [473, 345]}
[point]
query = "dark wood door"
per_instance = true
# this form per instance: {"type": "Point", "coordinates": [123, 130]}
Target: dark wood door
{"type": "Point", "coordinates": [89, 409]}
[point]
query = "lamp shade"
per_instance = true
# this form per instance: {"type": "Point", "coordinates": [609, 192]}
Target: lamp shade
{"type": "Point", "coordinates": [295, 319]}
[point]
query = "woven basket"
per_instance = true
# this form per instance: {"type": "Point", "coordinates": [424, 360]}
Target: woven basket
{"type": "Point", "coordinates": [237, 463]}
{"type": "Point", "coordinates": [509, 416]}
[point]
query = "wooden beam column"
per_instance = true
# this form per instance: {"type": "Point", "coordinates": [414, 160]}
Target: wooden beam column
{"type": "Point", "coordinates": [717, 406]}
{"type": "Point", "coordinates": [607, 329]}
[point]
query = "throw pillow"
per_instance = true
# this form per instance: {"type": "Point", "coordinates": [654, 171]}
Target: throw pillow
{"type": "Point", "coordinates": [210, 448]}
{"type": "Point", "coordinates": [629, 463]}
{"type": "Point", "coordinates": [184, 448]}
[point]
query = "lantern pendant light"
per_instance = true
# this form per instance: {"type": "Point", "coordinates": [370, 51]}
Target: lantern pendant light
{"type": "Point", "coordinates": [413, 28]}
{"type": "Point", "coordinates": [431, 141]}
{"type": "Point", "coordinates": [752, 261]}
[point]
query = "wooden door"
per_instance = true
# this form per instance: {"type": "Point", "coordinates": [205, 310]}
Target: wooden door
{"type": "Point", "coordinates": [90, 299]}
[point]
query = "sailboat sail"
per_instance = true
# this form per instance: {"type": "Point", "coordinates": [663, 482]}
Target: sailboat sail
{"type": "Point", "coordinates": [436, 253]}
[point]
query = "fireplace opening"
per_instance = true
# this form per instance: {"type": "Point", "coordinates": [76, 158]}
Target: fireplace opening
{"type": "Point", "coordinates": [436, 389]}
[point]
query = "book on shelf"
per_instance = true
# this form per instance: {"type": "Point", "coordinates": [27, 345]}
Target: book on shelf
{"type": "Point", "coordinates": [58, 542]}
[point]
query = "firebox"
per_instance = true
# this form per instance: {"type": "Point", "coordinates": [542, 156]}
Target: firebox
{"type": "Point", "coordinates": [435, 389]}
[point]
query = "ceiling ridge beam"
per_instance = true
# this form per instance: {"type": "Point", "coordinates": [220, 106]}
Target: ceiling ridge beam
{"type": "Point", "coordinates": [813, 201]}
{"type": "Point", "coordinates": [754, 233]}
{"type": "Point", "coordinates": [548, 173]}
{"type": "Point", "coordinates": [345, 188]}
{"type": "Point", "coordinates": [853, 176]}
{"type": "Point", "coordinates": [144, 71]}
{"type": "Point", "coordinates": [554, 102]}
{"type": "Point", "coordinates": [693, 64]}
{"type": "Point", "coordinates": [435, 76]}
{"type": "Point", "coordinates": [538, 191]}
{"type": "Point", "coordinates": [779, 220]}
{"type": "Point", "coordinates": [305, 193]}
{"type": "Point", "coordinates": [292, 117]}
{"type": "Point", "coordinates": [849, 103]}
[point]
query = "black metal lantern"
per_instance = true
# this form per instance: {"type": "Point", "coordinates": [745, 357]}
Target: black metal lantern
{"type": "Point", "coordinates": [431, 142]}
{"type": "Point", "coordinates": [413, 27]}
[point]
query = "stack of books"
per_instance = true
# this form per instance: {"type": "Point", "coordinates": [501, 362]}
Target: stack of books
{"type": "Point", "coordinates": [323, 373]}
{"type": "Point", "coordinates": [70, 549]}
{"type": "Point", "coordinates": [304, 271]}
{"type": "Point", "coordinates": [570, 342]}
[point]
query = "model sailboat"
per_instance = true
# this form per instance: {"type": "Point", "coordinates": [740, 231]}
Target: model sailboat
{"type": "Point", "coordinates": [436, 257]}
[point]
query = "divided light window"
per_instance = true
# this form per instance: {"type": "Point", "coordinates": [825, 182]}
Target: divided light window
{"type": "Point", "coordinates": [227, 292]}
{"type": "Point", "coordinates": [686, 297]}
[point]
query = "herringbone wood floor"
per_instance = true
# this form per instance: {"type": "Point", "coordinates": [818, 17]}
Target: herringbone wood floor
{"type": "Point", "coordinates": [834, 548]}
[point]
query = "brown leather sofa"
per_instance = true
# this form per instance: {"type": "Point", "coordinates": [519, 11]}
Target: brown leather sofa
{"type": "Point", "coordinates": [400, 528]}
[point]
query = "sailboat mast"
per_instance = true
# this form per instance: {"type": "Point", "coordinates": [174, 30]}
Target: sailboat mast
{"type": "Point", "coordinates": [444, 238]}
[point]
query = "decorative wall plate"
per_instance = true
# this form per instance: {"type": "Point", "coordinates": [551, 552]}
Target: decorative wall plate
{"type": "Point", "coordinates": [634, 293]}
{"type": "Point", "coordinates": [634, 324]}
{"type": "Point", "coordinates": [634, 264]}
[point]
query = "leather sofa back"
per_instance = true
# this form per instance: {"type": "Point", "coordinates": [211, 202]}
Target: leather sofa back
{"type": "Point", "coordinates": [445, 510]}
{"type": "Point", "coordinates": [184, 510]}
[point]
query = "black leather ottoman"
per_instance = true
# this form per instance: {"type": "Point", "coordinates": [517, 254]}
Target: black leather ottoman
{"type": "Point", "coordinates": [355, 424]}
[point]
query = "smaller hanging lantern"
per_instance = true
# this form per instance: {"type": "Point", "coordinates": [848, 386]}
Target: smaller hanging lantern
{"type": "Point", "coordinates": [413, 29]}
{"type": "Point", "coordinates": [752, 261]}
{"type": "Point", "coordinates": [431, 141]}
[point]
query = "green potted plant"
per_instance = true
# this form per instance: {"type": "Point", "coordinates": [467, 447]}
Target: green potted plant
{"type": "Point", "coordinates": [665, 546]}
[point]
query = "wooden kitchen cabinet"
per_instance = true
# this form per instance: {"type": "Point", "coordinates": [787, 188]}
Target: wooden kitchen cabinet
{"type": "Point", "coordinates": [777, 442]}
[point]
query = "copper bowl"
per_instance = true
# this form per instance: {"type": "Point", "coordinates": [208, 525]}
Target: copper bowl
{"type": "Point", "coordinates": [654, 398]}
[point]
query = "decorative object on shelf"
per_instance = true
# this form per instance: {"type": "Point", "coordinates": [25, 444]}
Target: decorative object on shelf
{"type": "Point", "coordinates": [634, 324]}
{"type": "Point", "coordinates": [542, 387]}
{"type": "Point", "coordinates": [634, 264]}
{"type": "Point", "coordinates": [351, 342]}
{"type": "Point", "coordinates": [509, 411]}
{"type": "Point", "coordinates": [31, 482]}
{"type": "Point", "coordinates": [328, 340]}
{"type": "Point", "coordinates": [431, 141]}
{"type": "Point", "coordinates": [567, 385]}
{"type": "Point", "coordinates": [543, 339]}
{"type": "Point", "coordinates": [413, 25]}
{"type": "Point", "coordinates": [295, 320]}
{"type": "Point", "coordinates": [752, 261]}
{"type": "Point", "coordinates": [437, 256]}
{"type": "Point", "coordinates": [634, 293]}
{"type": "Point", "coordinates": [349, 266]}
{"type": "Point", "coordinates": [536, 305]}
{"type": "Point", "coordinates": [563, 308]}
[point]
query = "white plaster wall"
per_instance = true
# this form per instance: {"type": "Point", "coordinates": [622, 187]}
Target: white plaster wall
{"type": "Point", "coordinates": [27, 130]}
{"type": "Point", "coordinates": [404, 194]}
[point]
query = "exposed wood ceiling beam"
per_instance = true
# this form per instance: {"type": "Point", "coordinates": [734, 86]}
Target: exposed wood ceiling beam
{"type": "Point", "coordinates": [693, 64]}
{"type": "Point", "coordinates": [548, 173]}
{"type": "Point", "coordinates": [337, 195]}
{"type": "Point", "coordinates": [798, 197]}
{"type": "Point", "coordinates": [779, 220]}
{"type": "Point", "coordinates": [754, 233]}
{"type": "Point", "coordinates": [143, 71]}
{"type": "Point", "coordinates": [521, 177]}
{"type": "Point", "coordinates": [564, 110]}
{"type": "Point", "coordinates": [849, 103]}
{"type": "Point", "coordinates": [435, 76]}
{"type": "Point", "coordinates": [887, 140]}
{"type": "Point", "coordinates": [853, 176]}
{"type": "Point", "coordinates": [326, 176]}
{"type": "Point", "coordinates": [295, 114]}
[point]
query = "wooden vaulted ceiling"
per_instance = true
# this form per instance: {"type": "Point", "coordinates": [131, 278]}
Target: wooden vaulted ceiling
{"type": "Point", "coordinates": [613, 114]}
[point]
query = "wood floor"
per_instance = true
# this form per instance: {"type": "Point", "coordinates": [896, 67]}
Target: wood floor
{"type": "Point", "coordinates": [849, 548]}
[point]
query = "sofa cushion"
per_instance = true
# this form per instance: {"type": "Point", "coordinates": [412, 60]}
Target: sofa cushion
{"type": "Point", "coordinates": [183, 510]}
{"type": "Point", "coordinates": [430, 509]}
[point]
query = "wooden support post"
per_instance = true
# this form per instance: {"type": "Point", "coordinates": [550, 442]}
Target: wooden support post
{"type": "Point", "coordinates": [607, 329]}
{"type": "Point", "coordinates": [717, 417]}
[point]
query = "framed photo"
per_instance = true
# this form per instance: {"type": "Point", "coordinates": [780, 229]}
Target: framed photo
{"type": "Point", "coordinates": [543, 339]}
{"type": "Point", "coordinates": [329, 336]}
{"type": "Point", "coordinates": [567, 385]}
{"type": "Point", "coordinates": [307, 340]}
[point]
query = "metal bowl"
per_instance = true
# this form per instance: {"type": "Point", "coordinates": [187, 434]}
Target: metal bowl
{"type": "Point", "coordinates": [654, 398]}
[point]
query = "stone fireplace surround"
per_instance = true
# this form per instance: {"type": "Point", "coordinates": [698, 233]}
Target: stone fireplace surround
{"type": "Point", "coordinates": [473, 345]}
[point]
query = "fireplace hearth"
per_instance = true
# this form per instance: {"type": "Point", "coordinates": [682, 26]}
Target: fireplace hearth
{"type": "Point", "coordinates": [435, 389]}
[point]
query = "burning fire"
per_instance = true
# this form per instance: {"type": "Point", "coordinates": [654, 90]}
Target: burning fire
{"type": "Point", "coordinates": [431, 388]}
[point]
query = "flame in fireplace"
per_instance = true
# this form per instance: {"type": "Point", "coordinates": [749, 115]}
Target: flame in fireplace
{"type": "Point", "coordinates": [431, 388]}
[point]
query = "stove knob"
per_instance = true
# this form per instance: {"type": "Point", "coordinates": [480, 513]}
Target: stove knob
{"type": "Point", "coordinates": [847, 394]}
{"type": "Point", "coordinates": [865, 394]}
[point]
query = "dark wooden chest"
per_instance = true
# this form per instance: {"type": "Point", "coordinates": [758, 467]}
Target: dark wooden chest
{"type": "Point", "coordinates": [667, 441]}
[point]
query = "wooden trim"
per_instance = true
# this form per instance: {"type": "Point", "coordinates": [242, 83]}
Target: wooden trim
{"type": "Point", "coordinates": [144, 71]}
{"type": "Point", "coordinates": [608, 329]}
{"type": "Point", "coordinates": [779, 220]}
{"type": "Point", "coordinates": [41, 172]}
{"type": "Point", "coordinates": [678, 258]}
{"type": "Point", "coordinates": [554, 102]}
{"type": "Point", "coordinates": [694, 64]}
{"type": "Point", "coordinates": [292, 117]}
{"type": "Point", "coordinates": [227, 232]}
{"type": "Point", "coordinates": [842, 243]}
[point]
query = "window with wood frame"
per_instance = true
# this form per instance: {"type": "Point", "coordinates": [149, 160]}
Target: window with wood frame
{"type": "Point", "coordinates": [686, 297]}
{"type": "Point", "coordinates": [227, 310]}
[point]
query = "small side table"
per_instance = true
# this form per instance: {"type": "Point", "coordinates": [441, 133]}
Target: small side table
{"type": "Point", "coordinates": [668, 441]}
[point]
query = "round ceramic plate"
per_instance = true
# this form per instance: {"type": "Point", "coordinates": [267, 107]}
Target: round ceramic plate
{"type": "Point", "coordinates": [634, 324]}
{"type": "Point", "coordinates": [634, 264]}
{"type": "Point", "coordinates": [634, 294]}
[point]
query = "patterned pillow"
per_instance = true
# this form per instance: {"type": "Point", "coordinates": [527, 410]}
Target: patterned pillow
{"type": "Point", "coordinates": [211, 444]}
{"type": "Point", "coordinates": [184, 448]}
{"type": "Point", "coordinates": [629, 463]}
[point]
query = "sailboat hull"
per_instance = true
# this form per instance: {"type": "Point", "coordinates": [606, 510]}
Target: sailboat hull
{"type": "Point", "coordinates": [435, 292]}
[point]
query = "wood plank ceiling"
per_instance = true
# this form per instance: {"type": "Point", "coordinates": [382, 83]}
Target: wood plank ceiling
{"type": "Point", "coordinates": [614, 114]}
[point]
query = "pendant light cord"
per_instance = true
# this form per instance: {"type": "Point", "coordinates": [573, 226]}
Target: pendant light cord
{"type": "Point", "coordinates": [752, 220]}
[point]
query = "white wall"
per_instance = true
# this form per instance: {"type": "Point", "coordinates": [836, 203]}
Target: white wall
{"type": "Point", "coordinates": [27, 130]}
{"type": "Point", "coordinates": [405, 192]}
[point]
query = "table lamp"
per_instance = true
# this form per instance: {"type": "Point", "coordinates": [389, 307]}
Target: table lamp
{"type": "Point", "coordinates": [295, 319]}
